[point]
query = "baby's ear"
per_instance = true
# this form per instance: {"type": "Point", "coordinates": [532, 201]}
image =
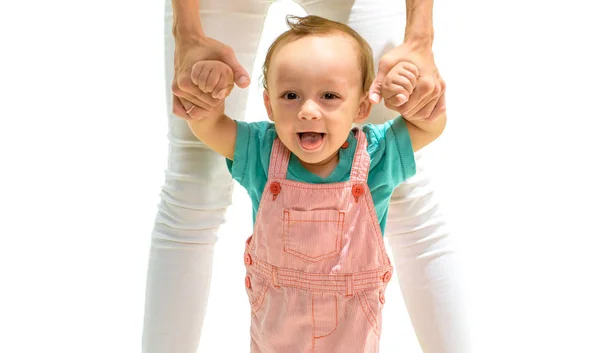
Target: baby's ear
{"type": "Point", "coordinates": [364, 109]}
{"type": "Point", "coordinates": [267, 102]}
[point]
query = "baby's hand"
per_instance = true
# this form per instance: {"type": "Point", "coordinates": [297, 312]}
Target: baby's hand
{"type": "Point", "coordinates": [213, 76]}
{"type": "Point", "coordinates": [399, 84]}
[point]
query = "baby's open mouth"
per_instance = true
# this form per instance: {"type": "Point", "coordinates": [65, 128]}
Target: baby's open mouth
{"type": "Point", "coordinates": [311, 140]}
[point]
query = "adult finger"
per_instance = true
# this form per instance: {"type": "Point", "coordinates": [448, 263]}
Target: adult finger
{"type": "Point", "coordinates": [194, 95]}
{"type": "Point", "coordinates": [428, 89]}
{"type": "Point", "coordinates": [199, 113]}
{"type": "Point", "coordinates": [188, 111]}
{"type": "Point", "coordinates": [420, 97]}
{"type": "Point", "coordinates": [439, 110]}
{"type": "Point", "coordinates": [241, 77]}
{"type": "Point", "coordinates": [375, 90]}
{"type": "Point", "coordinates": [426, 111]}
{"type": "Point", "coordinates": [180, 109]}
{"type": "Point", "coordinates": [396, 107]}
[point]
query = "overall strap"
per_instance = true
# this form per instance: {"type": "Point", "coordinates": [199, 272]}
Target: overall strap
{"type": "Point", "coordinates": [362, 160]}
{"type": "Point", "coordinates": [280, 157]}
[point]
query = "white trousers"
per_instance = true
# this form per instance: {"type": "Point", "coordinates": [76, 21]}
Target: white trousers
{"type": "Point", "coordinates": [198, 188]}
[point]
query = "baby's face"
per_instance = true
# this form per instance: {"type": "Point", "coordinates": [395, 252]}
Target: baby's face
{"type": "Point", "coordinates": [315, 94]}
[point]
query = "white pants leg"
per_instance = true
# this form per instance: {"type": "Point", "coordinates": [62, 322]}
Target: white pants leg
{"type": "Point", "coordinates": [426, 266]}
{"type": "Point", "coordinates": [195, 195]}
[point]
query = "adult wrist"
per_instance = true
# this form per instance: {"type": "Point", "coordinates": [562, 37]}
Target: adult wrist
{"type": "Point", "coordinates": [419, 39]}
{"type": "Point", "coordinates": [188, 34]}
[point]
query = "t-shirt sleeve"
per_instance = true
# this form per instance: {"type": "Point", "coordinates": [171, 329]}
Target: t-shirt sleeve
{"type": "Point", "coordinates": [253, 144]}
{"type": "Point", "coordinates": [391, 150]}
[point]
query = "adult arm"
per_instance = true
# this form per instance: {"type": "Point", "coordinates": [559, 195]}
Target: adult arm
{"type": "Point", "coordinates": [427, 102]}
{"type": "Point", "coordinates": [191, 46]}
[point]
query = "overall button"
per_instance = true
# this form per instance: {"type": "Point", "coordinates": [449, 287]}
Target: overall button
{"type": "Point", "coordinates": [381, 298]}
{"type": "Point", "coordinates": [248, 259]}
{"type": "Point", "coordinates": [358, 190]}
{"type": "Point", "coordinates": [248, 282]}
{"type": "Point", "coordinates": [275, 188]}
{"type": "Point", "coordinates": [345, 145]}
{"type": "Point", "coordinates": [387, 277]}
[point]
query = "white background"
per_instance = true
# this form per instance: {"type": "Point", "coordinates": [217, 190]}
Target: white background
{"type": "Point", "coordinates": [83, 148]}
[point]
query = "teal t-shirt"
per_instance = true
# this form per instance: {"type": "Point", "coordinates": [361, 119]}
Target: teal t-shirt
{"type": "Point", "coordinates": [389, 145]}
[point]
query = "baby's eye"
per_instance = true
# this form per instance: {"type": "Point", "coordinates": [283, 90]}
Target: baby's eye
{"type": "Point", "coordinates": [330, 96]}
{"type": "Point", "coordinates": [290, 95]}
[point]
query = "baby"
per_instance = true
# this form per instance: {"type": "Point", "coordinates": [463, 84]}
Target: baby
{"type": "Point", "coordinates": [316, 264]}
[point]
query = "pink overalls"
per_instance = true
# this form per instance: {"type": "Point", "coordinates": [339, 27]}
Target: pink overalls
{"type": "Point", "coordinates": [316, 264]}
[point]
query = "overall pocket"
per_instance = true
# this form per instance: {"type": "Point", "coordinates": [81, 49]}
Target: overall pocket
{"type": "Point", "coordinates": [313, 235]}
{"type": "Point", "coordinates": [371, 303]}
{"type": "Point", "coordinates": [256, 288]}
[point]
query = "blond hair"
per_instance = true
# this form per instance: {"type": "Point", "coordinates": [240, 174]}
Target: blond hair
{"type": "Point", "coordinates": [313, 26]}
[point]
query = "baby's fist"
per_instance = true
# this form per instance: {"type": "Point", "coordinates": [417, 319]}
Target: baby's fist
{"type": "Point", "coordinates": [213, 76]}
{"type": "Point", "coordinates": [399, 84]}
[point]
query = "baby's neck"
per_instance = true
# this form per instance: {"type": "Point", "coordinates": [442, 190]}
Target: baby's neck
{"type": "Point", "coordinates": [324, 168]}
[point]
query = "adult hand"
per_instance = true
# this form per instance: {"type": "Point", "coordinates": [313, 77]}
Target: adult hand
{"type": "Point", "coordinates": [428, 100]}
{"type": "Point", "coordinates": [187, 94]}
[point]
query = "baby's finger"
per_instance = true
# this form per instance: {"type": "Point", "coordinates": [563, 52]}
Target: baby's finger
{"type": "Point", "coordinates": [397, 100]}
{"type": "Point", "coordinates": [407, 69]}
{"type": "Point", "coordinates": [212, 80]}
{"type": "Point", "coordinates": [205, 72]}
{"type": "Point", "coordinates": [405, 81]}
{"type": "Point", "coordinates": [402, 77]}
{"type": "Point", "coordinates": [222, 93]}
{"type": "Point", "coordinates": [224, 85]}
{"type": "Point", "coordinates": [390, 89]}
{"type": "Point", "coordinates": [202, 78]}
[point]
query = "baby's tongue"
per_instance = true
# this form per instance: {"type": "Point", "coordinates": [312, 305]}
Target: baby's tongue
{"type": "Point", "coordinates": [311, 140]}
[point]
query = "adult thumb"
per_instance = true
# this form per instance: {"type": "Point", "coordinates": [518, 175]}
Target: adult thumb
{"type": "Point", "coordinates": [375, 89]}
{"type": "Point", "coordinates": [240, 76]}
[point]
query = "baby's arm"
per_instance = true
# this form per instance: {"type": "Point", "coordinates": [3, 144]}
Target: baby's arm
{"type": "Point", "coordinates": [398, 84]}
{"type": "Point", "coordinates": [424, 132]}
{"type": "Point", "coordinates": [214, 128]}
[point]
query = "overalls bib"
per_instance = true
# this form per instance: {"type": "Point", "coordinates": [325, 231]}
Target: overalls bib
{"type": "Point", "coordinates": [316, 264]}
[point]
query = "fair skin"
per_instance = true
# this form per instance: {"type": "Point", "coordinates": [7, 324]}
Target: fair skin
{"type": "Point", "coordinates": [192, 45]}
{"type": "Point", "coordinates": [314, 96]}
{"type": "Point", "coordinates": [428, 101]}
